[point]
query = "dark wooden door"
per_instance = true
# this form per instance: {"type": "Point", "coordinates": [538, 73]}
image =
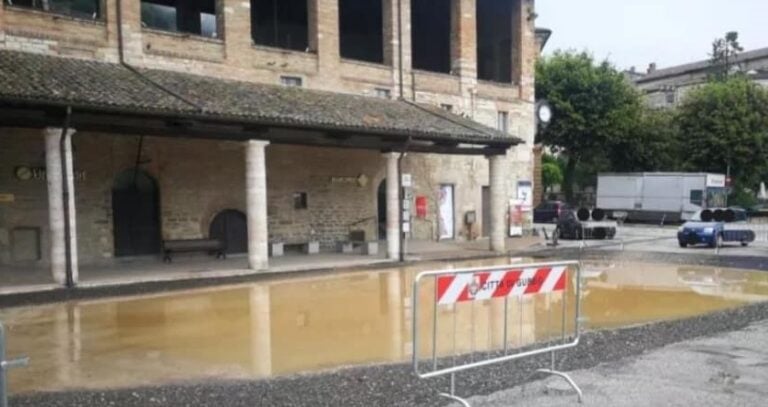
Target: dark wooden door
{"type": "Point", "coordinates": [381, 199]}
{"type": "Point", "coordinates": [135, 214]}
{"type": "Point", "coordinates": [486, 211]}
{"type": "Point", "coordinates": [231, 227]}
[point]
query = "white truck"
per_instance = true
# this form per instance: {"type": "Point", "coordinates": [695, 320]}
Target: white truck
{"type": "Point", "coordinates": [659, 196]}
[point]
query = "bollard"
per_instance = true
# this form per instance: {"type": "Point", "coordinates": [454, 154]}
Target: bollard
{"type": "Point", "coordinates": [4, 366]}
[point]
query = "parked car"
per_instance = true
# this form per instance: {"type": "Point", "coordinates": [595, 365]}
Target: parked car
{"type": "Point", "coordinates": [549, 211]}
{"type": "Point", "coordinates": [713, 233]}
{"type": "Point", "coordinates": [759, 211]}
{"type": "Point", "coordinates": [570, 227]}
{"type": "Point", "coordinates": [698, 232]}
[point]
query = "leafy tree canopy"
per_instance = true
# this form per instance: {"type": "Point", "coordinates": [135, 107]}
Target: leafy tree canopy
{"type": "Point", "coordinates": [726, 124]}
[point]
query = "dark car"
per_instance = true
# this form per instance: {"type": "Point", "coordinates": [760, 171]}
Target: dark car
{"type": "Point", "coordinates": [759, 211]}
{"type": "Point", "coordinates": [549, 211]}
{"type": "Point", "coordinates": [570, 227]}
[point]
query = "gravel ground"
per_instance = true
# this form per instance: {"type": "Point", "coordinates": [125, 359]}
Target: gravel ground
{"type": "Point", "coordinates": [395, 385]}
{"type": "Point", "coordinates": [725, 370]}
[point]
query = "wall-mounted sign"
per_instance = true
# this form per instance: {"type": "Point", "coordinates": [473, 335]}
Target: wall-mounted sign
{"type": "Point", "coordinates": [421, 207]}
{"type": "Point", "coordinates": [7, 198]}
{"type": "Point", "coordinates": [360, 180]}
{"type": "Point", "coordinates": [525, 194]}
{"type": "Point", "coordinates": [25, 173]}
{"type": "Point", "coordinates": [407, 181]}
{"type": "Point", "coordinates": [516, 217]}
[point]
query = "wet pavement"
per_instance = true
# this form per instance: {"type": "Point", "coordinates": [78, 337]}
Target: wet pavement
{"type": "Point", "coordinates": [291, 325]}
{"type": "Point", "coordinates": [724, 370]}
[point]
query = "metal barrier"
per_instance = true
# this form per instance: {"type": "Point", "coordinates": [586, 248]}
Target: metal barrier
{"type": "Point", "coordinates": [4, 366]}
{"type": "Point", "coordinates": [519, 288]}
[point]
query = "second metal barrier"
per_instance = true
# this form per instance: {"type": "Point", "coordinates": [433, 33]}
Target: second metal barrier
{"type": "Point", "coordinates": [485, 316]}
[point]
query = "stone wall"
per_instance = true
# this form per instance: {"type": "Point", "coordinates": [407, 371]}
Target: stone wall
{"type": "Point", "coordinates": [25, 204]}
{"type": "Point", "coordinates": [198, 178]}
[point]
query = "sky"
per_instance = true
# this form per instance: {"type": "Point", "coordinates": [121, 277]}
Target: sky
{"type": "Point", "coordinates": [638, 32]}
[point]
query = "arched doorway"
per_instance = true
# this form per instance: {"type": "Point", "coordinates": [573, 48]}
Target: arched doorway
{"type": "Point", "coordinates": [135, 214]}
{"type": "Point", "coordinates": [231, 227]}
{"type": "Point", "coordinates": [382, 211]}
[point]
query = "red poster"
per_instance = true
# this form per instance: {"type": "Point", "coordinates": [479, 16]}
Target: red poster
{"type": "Point", "coordinates": [421, 207]}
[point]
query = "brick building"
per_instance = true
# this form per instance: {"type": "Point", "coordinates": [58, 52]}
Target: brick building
{"type": "Point", "coordinates": [126, 123]}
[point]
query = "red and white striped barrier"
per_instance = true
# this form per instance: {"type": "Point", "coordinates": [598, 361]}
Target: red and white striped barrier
{"type": "Point", "coordinates": [512, 332]}
{"type": "Point", "coordinates": [498, 284]}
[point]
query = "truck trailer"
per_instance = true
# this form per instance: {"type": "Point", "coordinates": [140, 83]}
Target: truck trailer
{"type": "Point", "coordinates": [659, 196]}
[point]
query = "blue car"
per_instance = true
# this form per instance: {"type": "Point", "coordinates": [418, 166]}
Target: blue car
{"type": "Point", "coordinates": [713, 234]}
{"type": "Point", "coordinates": [693, 233]}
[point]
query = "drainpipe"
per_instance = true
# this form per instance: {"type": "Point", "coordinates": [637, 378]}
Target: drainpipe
{"type": "Point", "coordinates": [399, 50]}
{"type": "Point", "coordinates": [70, 281]}
{"type": "Point", "coordinates": [401, 197]}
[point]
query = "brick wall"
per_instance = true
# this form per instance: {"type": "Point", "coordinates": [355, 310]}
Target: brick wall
{"type": "Point", "coordinates": [178, 166]}
{"type": "Point", "coordinates": [29, 206]}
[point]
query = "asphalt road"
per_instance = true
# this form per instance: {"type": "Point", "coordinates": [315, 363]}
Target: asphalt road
{"type": "Point", "coordinates": [725, 370]}
{"type": "Point", "coordinates": [649, 238]}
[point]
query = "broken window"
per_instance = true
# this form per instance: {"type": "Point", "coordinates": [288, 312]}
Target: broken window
{"type": "Point", "coordinates": [87, 9]}
{"type": "Point", "coordinates": [281, 24]}
{"type": "Point", "coordinates": [186, 16]}
{"type": "Point", "coordinates": [361, 30]}
{"type": "Point", "coordinates": [431, 35]}
{"type": "Point", "coordinates": [494, 40]}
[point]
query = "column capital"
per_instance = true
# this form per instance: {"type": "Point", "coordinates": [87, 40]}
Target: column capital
{"type": "Point", "coordinates": [255, 142]}
{"type": "Point", "coordinates": [391, 155]}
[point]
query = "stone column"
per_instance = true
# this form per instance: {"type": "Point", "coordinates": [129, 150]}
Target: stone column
{"type": "Point", "coordinates": [256, 201]}
{"type": "Point", "coordinates": [56, 212]}
{"type": "Point", "coordinates": [393, 208]}
{"type": "Point", "coordinates": [498, 186]}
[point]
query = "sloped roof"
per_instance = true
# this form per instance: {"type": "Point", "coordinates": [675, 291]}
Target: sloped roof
{"type": "Point", "coordinates": [700, 66]}
{"type": "Point", "coordinates": [105, 87]}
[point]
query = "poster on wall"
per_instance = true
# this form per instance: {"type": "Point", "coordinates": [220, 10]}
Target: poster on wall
{"type": "Point", "coordinates": [525, 194]}
{"type": "Point", "coordinates": [446, 215]}
{"type": "Point", "coordinates": [516, 217]}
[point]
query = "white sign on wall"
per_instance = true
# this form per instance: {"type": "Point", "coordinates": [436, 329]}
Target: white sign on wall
{"type": "Point", "coordinates": [525, 194]}
{"type": "Point", "coordinates": [446, 220]}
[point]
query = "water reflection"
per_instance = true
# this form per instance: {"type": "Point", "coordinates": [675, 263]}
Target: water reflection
{"type": "Point", "coordinates": [304, 324]}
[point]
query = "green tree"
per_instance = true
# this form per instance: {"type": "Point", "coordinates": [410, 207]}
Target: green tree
{"type": "Point", "coordinates": [653, 144]}
{"type": "Point", "coordinates": [723, 56]}
{"type": "Point", "coordinates": [551, 172]}
{"type": "Point", "coordinates": [726, 124]}
{"type": "Point", "coordinates": [593, 106]}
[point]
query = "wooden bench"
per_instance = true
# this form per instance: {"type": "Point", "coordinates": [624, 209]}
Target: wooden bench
{"type": "Point", "coordinates": [211, 246]}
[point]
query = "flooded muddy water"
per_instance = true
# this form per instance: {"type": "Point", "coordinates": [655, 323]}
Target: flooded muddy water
{"type": "Point", "coordinates": [301, 324]}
